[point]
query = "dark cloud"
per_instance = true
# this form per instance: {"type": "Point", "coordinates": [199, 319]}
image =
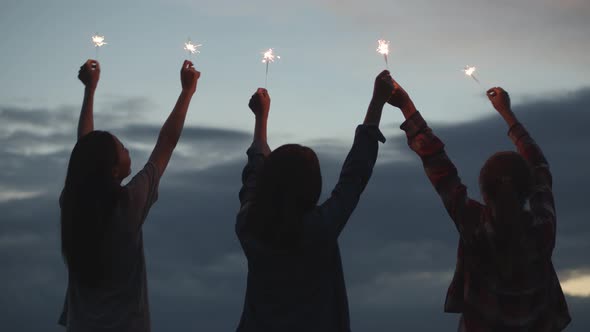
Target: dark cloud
{"type": "Point", "coordinates": [147, 132]}
{"type": "Point", "coordinates": [398, 248]}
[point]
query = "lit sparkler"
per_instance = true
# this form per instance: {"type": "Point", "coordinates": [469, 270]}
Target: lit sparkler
{"type": "Point", "coordinates": [383, 48]}
{"type": "Point", "coordinates": [267, 58]}
{"type": "Point", "coordinates": [98, 42]}
{"type": "Point", "coordinates": [470, 71]}
{"type": "Point", "coordinates": [192, 48]}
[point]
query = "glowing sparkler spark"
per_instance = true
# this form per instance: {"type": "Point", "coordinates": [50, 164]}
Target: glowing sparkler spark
{"type": "Point", "coordinates": [192, 48]}
{"type": "Point", "coordinates": [470, 71]}
{"type": "Point", "coordinates": [267, 58]}
{"type": "Point", "coordinates": [383, 48]}
{"type": "Point", "coordinates": [98, 40]}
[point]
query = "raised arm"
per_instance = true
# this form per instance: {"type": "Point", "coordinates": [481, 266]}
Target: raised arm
{"type": "Point", "coordinates": [172, 128]}
{"type": "Point", "coordinates": [259, 105]}
{"type": "Point", "coordinates": [89, 75]}
{"type": "Point", "coordinates": [259, 150]}
{"type": "Point", "coordinates": [541, 200]}
{"type": "Point", "coordinates": [333, 214]}
{"type": "Point", "coordinates": [440, 170]}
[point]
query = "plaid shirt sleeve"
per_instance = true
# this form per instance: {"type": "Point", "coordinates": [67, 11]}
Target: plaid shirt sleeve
{"type": "Point", "coordinates": [443, 175]}
{"type": "Point", "coordinates": [257, 153]}
{"type": "Point", "coordinates": [541, 200]}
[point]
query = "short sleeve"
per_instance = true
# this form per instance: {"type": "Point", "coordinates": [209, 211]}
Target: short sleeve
{"type": "Point", "coordinates": [142, 193]}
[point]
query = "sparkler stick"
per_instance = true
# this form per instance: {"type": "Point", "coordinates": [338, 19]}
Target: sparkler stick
{"type": "Point", "coordinates": [267, 58]}
{"type": "Point", "coordinates": [98, 42]}
{"type": "Point", "coordinates": [192, 48]}
{"type": "Point", "coordinates": [470, 71]}
{"type": "Point", "coordinates": [383, 48]}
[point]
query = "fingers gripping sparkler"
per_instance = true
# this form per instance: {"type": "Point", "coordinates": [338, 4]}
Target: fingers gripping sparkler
{"type": "Point", "coordinates": [267, 58]}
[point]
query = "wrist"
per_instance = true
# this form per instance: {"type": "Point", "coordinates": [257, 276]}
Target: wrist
{"type": "Point", "coordinates": [509, 117]}
{"type": "Point", "coordinates": [187, 92]}
{"type": "Point", "coordinates": [376, 101]}
{"type": "Point", "coordinates": [261, 117]}
{"type": "Point", "coordinates": [408, 108]}
{"type": "Point", "coordinates": [89, 90]}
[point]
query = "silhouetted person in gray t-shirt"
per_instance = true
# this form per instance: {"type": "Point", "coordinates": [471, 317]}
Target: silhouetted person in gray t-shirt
{"type": "Point", "coordinates": [101, 220]}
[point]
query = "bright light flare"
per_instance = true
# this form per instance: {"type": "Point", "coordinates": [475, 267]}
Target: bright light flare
{"type": "Point", "coordinates": [98, 40]}
{"type": "Point", "coordinates": [192, 48]}
{"type": "Point", "coordinates": [383, 47]}
{"type": "Point", "coordinates": [470, 71]}
{"type": "Point", "coordinates": [269, 57]}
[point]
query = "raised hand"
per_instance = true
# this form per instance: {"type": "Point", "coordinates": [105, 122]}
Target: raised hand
{"type": "Point", "coordinates": [89, 74]}
{"type": "Point", "coordinates": [189, 77]}
{"type": "Point", "coordinates": [400, 97]}
{"type": "Point", "coordinates": [383, 87]}
{"type": "Point", "coordinates": [500, 99]}
{"type": "Point", "coordinates": [260, 103]}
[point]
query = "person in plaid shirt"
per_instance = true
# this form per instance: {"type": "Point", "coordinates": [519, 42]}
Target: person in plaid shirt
{"type": "Point", "coordinates": [504, 279]}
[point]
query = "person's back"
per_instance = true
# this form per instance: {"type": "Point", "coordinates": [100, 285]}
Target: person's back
{"type": "Point", "coordinates": [289, 286]}
{"type": "Point", "coordinates": [295, 278]}
{"type": "Point", "coordinates": [120, 301]}
{"type": "Point", "coordinates": [504, 279]}
{"type": "Point", "coordinates": [101, 221]}
{"type": "Point", "coordinates": [506, 283]}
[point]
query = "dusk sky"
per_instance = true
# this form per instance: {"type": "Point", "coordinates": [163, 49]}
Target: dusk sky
{"type": "Point", "coordinates": [399, 246]}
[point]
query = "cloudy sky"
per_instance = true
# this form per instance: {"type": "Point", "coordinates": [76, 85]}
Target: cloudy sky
{"type": "Point", "coordinates": [398, 258]}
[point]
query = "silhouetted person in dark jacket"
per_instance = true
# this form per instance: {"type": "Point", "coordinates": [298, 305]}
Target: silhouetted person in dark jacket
{"type": "Point", "coordinates": [504, 279]}
{"type": "Point", "coordinates": [101, 221]}
{"type": "Point", "coordinates": [295, 280]}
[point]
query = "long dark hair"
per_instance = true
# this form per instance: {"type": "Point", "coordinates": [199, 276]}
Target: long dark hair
{"type": "Point", "coordinates": [289, 185]}
{"type": "Point", "coordinates": [87, 203]}
{"type": "Point", "coordinates": [506, 179]}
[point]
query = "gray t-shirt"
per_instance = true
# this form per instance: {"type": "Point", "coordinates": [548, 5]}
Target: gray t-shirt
{"type": "Point", "coordinates": [121, 304]}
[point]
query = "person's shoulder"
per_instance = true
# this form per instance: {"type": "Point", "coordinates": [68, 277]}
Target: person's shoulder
{"type": "Point", "coordinates": [124, 214]}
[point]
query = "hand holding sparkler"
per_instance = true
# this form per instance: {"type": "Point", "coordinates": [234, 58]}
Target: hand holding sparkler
{"type": "Point", "coordinates": [260, 103]}
{"type": "Point", "coordinates": [189, 77]}
{"type": "Point", "coordinates": [383, 88]}
{"type": "Point", "coordinates": [89, 74]}
{"type": "Point", "coordinates": [401, 99]}
{"type": "Point", "coordinates": [501, 101]}
{"type": "Point", "coordinates": [260, 106]}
